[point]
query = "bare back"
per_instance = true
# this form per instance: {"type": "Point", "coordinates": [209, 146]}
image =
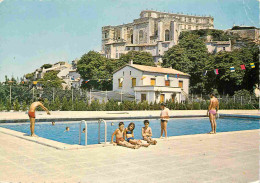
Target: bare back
{"type": "Point", "coordinates": [34, 105]}
{"type": "Point", "coordinates": [214, 104]}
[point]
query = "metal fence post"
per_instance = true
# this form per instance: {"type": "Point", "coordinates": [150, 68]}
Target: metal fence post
{"type": "Point", "coordinates": [90, 96]}
{"type": "Point", "coordinates": [241, 100]}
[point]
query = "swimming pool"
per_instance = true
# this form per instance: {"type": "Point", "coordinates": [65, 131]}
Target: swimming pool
{"type": "Point", "coordinates": [176, 127]}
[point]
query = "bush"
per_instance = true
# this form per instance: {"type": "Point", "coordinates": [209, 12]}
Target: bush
{"type": "Point", "coordinates": [24, 106]}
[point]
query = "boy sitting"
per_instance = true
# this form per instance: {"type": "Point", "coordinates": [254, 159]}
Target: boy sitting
{"type": "Point", "coordinates": [120, 140]}
{"type": "Point", "coordinates": [147, 133]}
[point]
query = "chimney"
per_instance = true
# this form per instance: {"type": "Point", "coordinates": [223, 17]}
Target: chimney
{"type": "Point", "coordinates": [131, 62]}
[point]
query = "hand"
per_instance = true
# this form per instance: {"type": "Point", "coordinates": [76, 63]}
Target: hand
{"type": "Point", "coordinates": [48, 113]}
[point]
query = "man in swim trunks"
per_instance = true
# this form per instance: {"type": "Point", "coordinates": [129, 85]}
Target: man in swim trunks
{"type": "Point", "coordinates": [164, 119]}
{"type": "Point", "coordinates": [31, 114]}
{"type": "Point", "coordinates": [212, 112]}
{"type": "Point", "coordinates": [120, 138]}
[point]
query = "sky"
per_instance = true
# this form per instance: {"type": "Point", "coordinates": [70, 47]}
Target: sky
{"type": "Point", "coordinates": [37, 32]}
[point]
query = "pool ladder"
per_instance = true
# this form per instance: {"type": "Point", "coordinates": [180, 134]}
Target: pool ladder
{"type": "Point", "coordinates": [86, 131]}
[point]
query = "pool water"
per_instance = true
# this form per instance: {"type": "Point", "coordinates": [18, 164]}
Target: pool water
{"type": "Point", "coordinates": [175, 127]}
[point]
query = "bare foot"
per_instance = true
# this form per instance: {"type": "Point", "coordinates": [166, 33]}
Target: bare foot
{"type": "Point", "coordinates": [211, 132]}
{"type": "Point", "coordinates": [145, 145]}
{"type": "Point", "coordinates": [136, 147]}
{"type": "Point", "coordinates": [34, 135]}
{"type": "Point", "coordinates": [161, 137]}
{"type": "Point", "coordinates": [155, 142]}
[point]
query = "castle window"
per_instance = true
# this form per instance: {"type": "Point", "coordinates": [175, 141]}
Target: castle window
{"type": "Point", "coordinates": [141, 35]}
{"type": "Point", "coordinates": [167, 35]}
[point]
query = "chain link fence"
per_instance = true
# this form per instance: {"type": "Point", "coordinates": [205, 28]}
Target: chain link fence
{"type": "Point", "coordinates": [20, 97]}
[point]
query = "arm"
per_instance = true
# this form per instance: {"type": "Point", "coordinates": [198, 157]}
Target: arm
{"type": "Point", "coordinates": [124, 135]}
{"type": "Point", "coordinates": [210, 104]}
{"type": "Point", "coordinates": [133, 134]}
{"type": "Point", "coordinates": [112, 137]}
{"type": "Point", "coordinates": [143, 134]}
{"type": "Point", "coordinates": [151, 133]}
{"type": "Point", "coordinates": [44, 108]}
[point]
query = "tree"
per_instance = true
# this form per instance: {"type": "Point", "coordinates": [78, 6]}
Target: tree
{"type": "Point", "coordinates": [138, 57]}
{"type": "Point", "coordinates": [16, 105]}
{"type": "Point", "coordinates": [64, 106]}
{"type": "Point", "coordinates": [93, 66]}
{"type": "Point", "coordinates": [24, 106]}
{"type": "Point", "coordinates": [46, 66]}
{"type": "Point", "coordinates": [190, 56]}
{"type": "Point", "coordinates": [50, 80]}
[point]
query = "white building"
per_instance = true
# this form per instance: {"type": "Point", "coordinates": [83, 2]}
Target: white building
{"type": "Point", "coordinates": [151, 83]}
{"type": "Point", "coordinates": [75, 79]}
{"type": "Point", "coordinates": [154, 32]}
{"type": "Point", "coordinates": [217, 46]}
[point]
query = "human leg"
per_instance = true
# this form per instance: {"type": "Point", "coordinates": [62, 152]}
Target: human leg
{"type": "Point", "coordinates": [129, 145]}
{"type": "Point", "coordinates": [215, 123]}
{"type": "Point", "coordinates": [162, 129]}
{"type": "Point", "coordinates": [32, 124]}
{"type": "Point", "coordinates": [165, 129]}
{"type": "Point", "coordinates": [211, 122]}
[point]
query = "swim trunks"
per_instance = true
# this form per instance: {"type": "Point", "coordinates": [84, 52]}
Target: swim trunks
{"type": "Point", "coordinates": [119, 139]}
{"type": "Point", "coordinates": [212, 112]}
{"type": "Point", "coordinates": [162, 120]}
{"type": "Point", "coordinates": [130, 138]}
{"type": "Point", "coordinates": [31, 114]}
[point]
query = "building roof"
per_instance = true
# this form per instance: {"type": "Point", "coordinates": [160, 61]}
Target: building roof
{"type": "Point", "coordinates": [219, 42]}
{"type": "Point", "coordinates": [154, 69]}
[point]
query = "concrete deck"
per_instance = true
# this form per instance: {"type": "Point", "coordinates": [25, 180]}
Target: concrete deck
{"type": "Point", "coordinates": [94, 115]}
{"type": "Point", "coordinates": [221, 158]}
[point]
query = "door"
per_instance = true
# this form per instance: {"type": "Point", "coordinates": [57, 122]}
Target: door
{"type": "Point", "coordinates": [143, 97]}
{"type": "Point", "coordinates": [133, 82]}
{"type": "Point", "coordinates": [173, 97]}
{"type": "Point", "coordinates": [162, 98]}
{"type": "Point", "coordinates": [181, 84]}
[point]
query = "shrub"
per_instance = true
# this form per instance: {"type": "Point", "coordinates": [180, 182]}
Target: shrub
{"type": "Point", "coordinates": [24, 106]}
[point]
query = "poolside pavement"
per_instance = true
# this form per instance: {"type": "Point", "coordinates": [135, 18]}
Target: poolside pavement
{"type": "Point", "coordinates": [221, 158]}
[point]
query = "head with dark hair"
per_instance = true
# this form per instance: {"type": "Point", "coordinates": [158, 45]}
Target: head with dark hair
{"type": "Point", "coordinates": [146, 121]}
{"type": "Point", "coordinates": [121, 123]}
{"type": "Point", "coordinates": [40, 99]}
{"type": "Point", "coordinates": [212, 95]}
{"type": "Point", "coordinates": [131, 126]}
{"type": "Point", "coordinates": [163, 104]}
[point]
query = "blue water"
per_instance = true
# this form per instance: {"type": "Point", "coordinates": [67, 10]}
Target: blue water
{"type": "Point", "coordinates": [175, 127]}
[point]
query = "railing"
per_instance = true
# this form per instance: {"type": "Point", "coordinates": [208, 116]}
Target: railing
{"type": "Point", "coordinates": [86, 132]}
{"type": "Point", "coordinates": [99, 123]}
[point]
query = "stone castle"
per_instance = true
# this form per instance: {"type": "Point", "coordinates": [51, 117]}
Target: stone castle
{"type": "Point", "coordinates": [154, 32]}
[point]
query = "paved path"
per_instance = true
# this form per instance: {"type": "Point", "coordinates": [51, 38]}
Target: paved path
{"type": "Point", "coordinates": [221, 158]}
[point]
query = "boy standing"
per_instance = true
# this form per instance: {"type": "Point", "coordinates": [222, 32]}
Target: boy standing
{"type": "Point", "coordinates": [164, 119]}
{"type": "Point", "coordinates": [31, 114]}
{"type": "Point", "coordinates": [147, 133]}
{"type": "Point", "coordinates": [120, 139]}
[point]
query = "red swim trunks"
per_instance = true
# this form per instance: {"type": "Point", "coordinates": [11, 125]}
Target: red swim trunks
{"type": "Point", "coordinates": [31, 114]}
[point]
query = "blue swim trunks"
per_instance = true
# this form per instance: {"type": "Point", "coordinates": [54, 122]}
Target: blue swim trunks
{"type": "Point", "coordinates": [130, 139]}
